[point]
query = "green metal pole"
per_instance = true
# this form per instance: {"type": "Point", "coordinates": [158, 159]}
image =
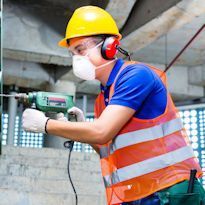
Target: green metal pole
{"type": "Point", "coordinates": [1, 103]}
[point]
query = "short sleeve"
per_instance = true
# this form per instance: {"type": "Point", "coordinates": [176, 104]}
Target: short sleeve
{"type": "Point", "coordinates": [133, 86]}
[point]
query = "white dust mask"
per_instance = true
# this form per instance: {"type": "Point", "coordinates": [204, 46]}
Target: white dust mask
{"type": "Point", "coordinates": [84, 68]}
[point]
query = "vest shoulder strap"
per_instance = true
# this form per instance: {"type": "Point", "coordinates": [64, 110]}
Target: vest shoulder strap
{"type": "Point", "coordinates": [121, 69]}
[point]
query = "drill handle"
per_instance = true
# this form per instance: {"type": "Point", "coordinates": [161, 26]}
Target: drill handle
{"type": "Point", "coordinates": [72, 117]}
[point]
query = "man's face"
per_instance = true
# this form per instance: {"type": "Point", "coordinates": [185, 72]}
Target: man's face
{"type": "Point", "coordinates": [87, 46]}
{"type": "Point", "coordinates": [82, 45]}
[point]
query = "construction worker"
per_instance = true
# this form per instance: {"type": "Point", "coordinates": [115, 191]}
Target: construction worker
{"type": "Point", "coordinates": [144, 150]}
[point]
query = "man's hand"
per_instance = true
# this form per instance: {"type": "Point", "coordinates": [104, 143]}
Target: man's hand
{"type": "Point", "coordinates": [61, 117]}
{"type": "Point", "coordinates": [78, 112]}
{"type": "Point", "coordinates": [75, 111]}
{"type": "Point", "coordinates": [34, 121]}
{"type": "Point", "coordinates": [81, 118]}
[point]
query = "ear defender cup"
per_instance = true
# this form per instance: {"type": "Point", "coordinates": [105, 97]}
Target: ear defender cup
{"type": "Point", "coordinates": [109, 48]}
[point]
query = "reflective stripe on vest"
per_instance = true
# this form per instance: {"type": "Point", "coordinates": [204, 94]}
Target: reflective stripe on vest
{"type": "Point", "coordinates": [149, 165]}
{"type": "Point", "coordinates": [143, 135]}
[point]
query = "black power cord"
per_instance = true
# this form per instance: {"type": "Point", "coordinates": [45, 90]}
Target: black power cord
{"type": "Point", "coordinates": [69, 145]}
{"type": "Point", "coordinates": [124, 52]}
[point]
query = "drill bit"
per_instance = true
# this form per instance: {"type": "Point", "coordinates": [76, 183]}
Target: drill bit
{"type": "Point", "coordinates": [21, 97]}
{"type": "Point", "coordinates": [7, 95]}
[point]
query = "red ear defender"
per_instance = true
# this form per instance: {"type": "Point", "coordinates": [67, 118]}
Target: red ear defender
{"type": "Point", "coordinates": [109, 48]}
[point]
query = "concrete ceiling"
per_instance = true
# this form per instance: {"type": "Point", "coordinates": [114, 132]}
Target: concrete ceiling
{"type": "Point", "coordinates": [164, 49]}
{"type": "Point", "coordinates": [32, 30]}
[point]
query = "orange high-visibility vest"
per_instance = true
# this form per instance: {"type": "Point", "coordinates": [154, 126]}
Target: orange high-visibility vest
{"type": "Point", "coordinates": [147, 155]}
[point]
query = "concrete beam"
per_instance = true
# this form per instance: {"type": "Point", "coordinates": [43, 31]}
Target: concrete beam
{"type": "Point", "coordinates": [120, 10]}
{"type": "Point", "coordinates": [38, 57]}
{"type": "Point", "coordinates": [38, 76]}
{"type": "Point", "coordinates": [25, 74]}
{"type": "Point", "coordinates": [173, 18]}
{"type": "Point", "coordinates": [27, 38]}
{"type": "Point", "coordinates": [144, 11]}
{"type": "Point", "coordinates": [28, 70]}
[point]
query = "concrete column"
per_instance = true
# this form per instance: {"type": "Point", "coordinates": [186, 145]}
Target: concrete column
{"type": "Point", "coordinates": [69, 88]}
{"type": "Point", "coordinates": [12, 110]}
{"type": "Point", "coordinates": [85, 102]}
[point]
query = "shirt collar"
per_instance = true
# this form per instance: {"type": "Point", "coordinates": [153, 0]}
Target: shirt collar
{"type": "Point", "coordinates": [113, 73]}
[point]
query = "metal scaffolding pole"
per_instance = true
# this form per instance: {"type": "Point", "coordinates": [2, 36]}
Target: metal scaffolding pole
{"type": "Point", "coordinates": [12, 117]}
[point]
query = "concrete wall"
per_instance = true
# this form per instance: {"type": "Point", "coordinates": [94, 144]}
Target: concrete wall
{"type": "Point", "coordinates": [31, 176]}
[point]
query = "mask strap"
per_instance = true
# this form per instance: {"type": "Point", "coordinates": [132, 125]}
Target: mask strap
{"type": "Point", "coordinates": [99, 44]}
{"type": "Point", "coordinates": [106, 63]}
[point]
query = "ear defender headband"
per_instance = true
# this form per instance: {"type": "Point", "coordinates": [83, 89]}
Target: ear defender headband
{"type": "Point", "coordinates": [110, 47]}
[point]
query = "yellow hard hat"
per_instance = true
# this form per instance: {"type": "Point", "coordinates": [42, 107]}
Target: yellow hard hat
{"type": "Point", "coordinates": [88, 21]}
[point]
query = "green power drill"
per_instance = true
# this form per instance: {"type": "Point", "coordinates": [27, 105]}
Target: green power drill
{"type": "Point", "coordinates": [46, 101]}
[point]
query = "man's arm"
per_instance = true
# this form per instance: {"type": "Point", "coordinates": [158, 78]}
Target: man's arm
{"type": "Point", "coordinates": [80, 118]}
{"type": "Point", "coordinates": [101, 131]}
{"type": "Point", "coordinates": [96, 148]}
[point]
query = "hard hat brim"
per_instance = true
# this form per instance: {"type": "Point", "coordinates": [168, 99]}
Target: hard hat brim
{"type": "Point", "coordinates": [63, 43]}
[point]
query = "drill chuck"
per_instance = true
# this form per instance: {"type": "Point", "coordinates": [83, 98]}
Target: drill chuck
{"type": "Point", "coordinates": [23, 98]}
